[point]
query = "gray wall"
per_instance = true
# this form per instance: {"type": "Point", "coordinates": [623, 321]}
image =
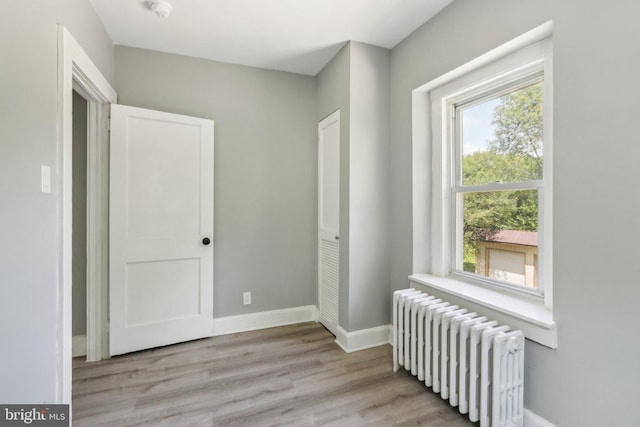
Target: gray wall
{"type": "Point", "coordinates": [592, 378]}
{"type": "Point", "coordinates": [356, 81]}
{"type": "Point", "coordinates": [79, 262]}
{"type": "Point", "coordinates": [266, 181]}
{"type": "Point", "coordinates": [265, 169]}
{"type": "Point", "coordinates": [369, 188]}
{"type": "Point", "coordinates": [28, 218]}
{"type": "Point", "coordinates": [333, 85]}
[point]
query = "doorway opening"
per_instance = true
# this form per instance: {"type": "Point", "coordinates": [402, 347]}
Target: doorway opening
{"type": "Point", "coordinates": [76, 72]}
{"type": "Point", "coordinates": [80, 108]}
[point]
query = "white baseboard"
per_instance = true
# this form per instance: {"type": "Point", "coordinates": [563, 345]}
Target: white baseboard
{"type": "Point", "coordinates": [533, 420]}
{"type": "Point", "coordinates": [264, 319]}
{"type": "Point", "coordinates": [79, 345]}
{"type": "Point", "coordinates": [363, 338]}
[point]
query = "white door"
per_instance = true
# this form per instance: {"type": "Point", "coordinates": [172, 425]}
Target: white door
{"type": "Point", "coordinates": [161, 229]}
{"type": "Point", "coordinates": [329, 219]}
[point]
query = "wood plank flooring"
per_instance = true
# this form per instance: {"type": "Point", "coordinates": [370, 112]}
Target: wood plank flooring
{"type": "Point", "coordinates": [287, 376]}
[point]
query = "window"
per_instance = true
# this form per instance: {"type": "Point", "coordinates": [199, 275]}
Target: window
{"type": "Point", "coordinates": [498, 175]}
{"type": "Point", "coordinates": [491, 144]}
{"type": "Point", "coordinates": [482, 184]}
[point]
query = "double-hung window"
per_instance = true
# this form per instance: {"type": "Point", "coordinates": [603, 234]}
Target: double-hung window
{"type": "Point", "coordinates": [490, 132]}
{"type": "Point", "coordinates": [497, 183]}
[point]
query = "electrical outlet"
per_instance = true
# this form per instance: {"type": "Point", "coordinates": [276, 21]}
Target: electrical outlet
{"type": "Point", "coordinates": [246, 298]}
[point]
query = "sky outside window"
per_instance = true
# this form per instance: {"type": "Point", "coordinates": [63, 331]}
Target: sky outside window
{"type": "Point", "coordinates": [477, 129]}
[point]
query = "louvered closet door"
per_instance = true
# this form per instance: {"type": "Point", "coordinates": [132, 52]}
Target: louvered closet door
{"type": "Point", "coordinates": [329, 219]}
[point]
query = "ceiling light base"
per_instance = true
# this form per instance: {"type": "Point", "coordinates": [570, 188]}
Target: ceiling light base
{"type": "Point", "coordinates": [161, 7]}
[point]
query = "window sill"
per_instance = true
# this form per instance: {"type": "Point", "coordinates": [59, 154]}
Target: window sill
{"type": "Point", "coordinates": [528, 315]}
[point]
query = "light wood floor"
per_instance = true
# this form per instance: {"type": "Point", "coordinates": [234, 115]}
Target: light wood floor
{"type": "Point", "coordinates": [287, 376]}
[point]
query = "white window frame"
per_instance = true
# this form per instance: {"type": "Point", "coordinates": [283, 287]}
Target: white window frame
{"type": "Point", "coordinates": [433, 210]}
{"type": "Point", "coordinates": [445, 99]}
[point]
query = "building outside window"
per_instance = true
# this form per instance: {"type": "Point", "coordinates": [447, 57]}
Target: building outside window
{"type": "Point", "coordinates": [510, 256]}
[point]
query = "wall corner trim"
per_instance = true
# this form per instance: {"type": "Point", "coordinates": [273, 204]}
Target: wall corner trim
{"type": "Point", "coordinates": [264, 319]}
{"type": "Point", "coordinates": [533, 420]}
{"type": "Point", "coordinates": [363, 339]}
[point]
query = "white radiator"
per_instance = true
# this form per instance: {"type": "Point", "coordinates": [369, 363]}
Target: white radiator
{"type": "Point", "coordinates": [470, 360]}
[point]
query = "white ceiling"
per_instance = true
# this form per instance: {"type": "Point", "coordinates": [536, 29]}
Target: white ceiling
{"type": "Point", "coordinates": [300, 36]}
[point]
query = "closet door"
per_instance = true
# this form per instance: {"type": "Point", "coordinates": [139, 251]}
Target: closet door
{"type": "Point", "coordinates": [329, 220]}
{"type": "Point", "coordinates": [161, 229]}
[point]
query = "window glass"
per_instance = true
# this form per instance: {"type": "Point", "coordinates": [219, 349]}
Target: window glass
{"type": "Point", "coordinates": [496, 223]}
{"type": "Point", "coordinates": [499, 168]}
{"type": "Point", "coordinates": [501, 137]}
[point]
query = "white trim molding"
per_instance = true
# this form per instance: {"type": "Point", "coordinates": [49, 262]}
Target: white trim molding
{"type": "Point", "coordinates": [363, 338]}
{"type": "Point", "coordinates": [79, 344]}
{"type": "Point", "coordinates": [533, 420]}
{"type": "Point", "coordinates": [348, 341]}
{"type": "Point", "coordinates": [80, 74]}
{"type": "Point", "coordinates": [264, 320]}
{"type": "Point", "coordinates": [77, 71]}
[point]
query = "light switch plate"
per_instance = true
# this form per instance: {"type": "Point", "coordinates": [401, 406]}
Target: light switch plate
{"type": "Point", "coordinates": [45, 175]}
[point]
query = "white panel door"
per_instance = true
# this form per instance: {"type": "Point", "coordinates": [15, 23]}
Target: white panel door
{"type": "Point", "coordinates": [329, 220]}
{"type": "Point", "coordinates": [161, 229]}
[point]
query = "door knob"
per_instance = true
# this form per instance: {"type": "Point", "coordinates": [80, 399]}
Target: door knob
{"type": "Point", "coordinates": [206, 241]}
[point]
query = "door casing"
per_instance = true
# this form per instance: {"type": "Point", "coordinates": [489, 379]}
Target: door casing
{"type": "Point", "coordinates": [329, 224]}
{"type": "Point", "coordinates": [77, 71]}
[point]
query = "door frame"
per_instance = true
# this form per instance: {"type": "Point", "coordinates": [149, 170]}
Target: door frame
{"type": "Point", "coordinates": [325, 122]}
{"type": "Point", "coordinates": [77, 71]}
